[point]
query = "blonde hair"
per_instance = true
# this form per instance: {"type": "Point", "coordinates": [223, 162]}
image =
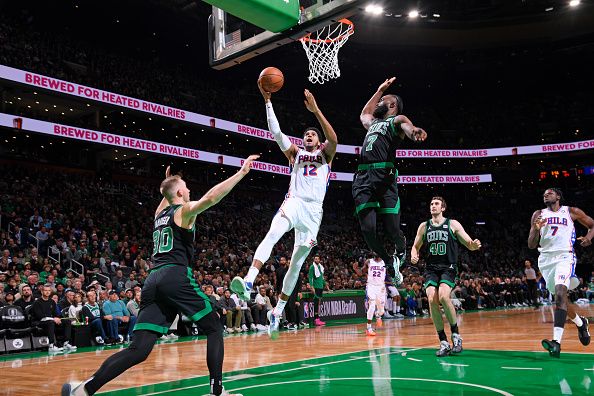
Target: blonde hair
{"type": "Point", "coordinates": [169, 186]}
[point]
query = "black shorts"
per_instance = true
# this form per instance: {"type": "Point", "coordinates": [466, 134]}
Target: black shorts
{"type": "Point", "coordinates": [169, 290]}
{"type": "Point", "coordinates": [318, 293]}
{"type": "Point", "coordinates": [376, 188]}
{"type": "Point", "coordinates": [435, 276]}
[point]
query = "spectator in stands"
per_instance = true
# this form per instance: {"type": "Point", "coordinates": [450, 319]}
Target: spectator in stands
{"type": "Point", "coordinates": [75, 310]}
{"type": "Point", "coordinates": [134, 304]}
{"type": "Point", "coordinates": [67, 301]}
{"type": "Point", "coordinates": [9, 298]}
{"type": "Point", "coordinates": [45, 315]}
{"type": "Point", "coordinates": [92, 312]}
{"type": "Point", "coordinates": [116, 313]}
{"type": "Point", "coordinates": [260, 309]}
{"type": "Point", "coordinates": [131, 282]}
{"type": "Point", "coordinates": [232, 312]}
{"type": "Point", "coordinates": [26, 298]}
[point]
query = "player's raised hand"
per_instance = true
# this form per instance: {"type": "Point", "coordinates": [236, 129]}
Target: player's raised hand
{"type": "Point", "coordinates": [386, 84]}
{"type": "Point", "coordinates": [168, 171]}
{"type": "Point", "coordinates": [419, 134]}
{"type": "Point", "coordinates": [475, 245]}
{"type": "Point", "coordinates": [540, 222]}
{"type": "Point", "coordinates": [266, 95]}
{"type": "Point", "coordinates": [247, 164]}
{"type": "Point", "coordinates": [584, 241]}
{"type": "Point", "coordinates": [310, 102]}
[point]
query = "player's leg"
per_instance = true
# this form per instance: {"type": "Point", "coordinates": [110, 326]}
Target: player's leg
{"type": "Point", "coordinates": [381, 303]}
{"type": "Point", "coordinates": [371, 300]}
{"type": "Point", "coordinates": [433, 297]}
{"type": "Point", "coordinates": [367, 220]}
{"type": "Point", "coordinates": [390, 213]}
{"type": "Point", "coordinates": [280, 225]}
{"type": "Point", "coordinates": [555, 277]}
{"type": "Point", "coordinates": [445, 293]}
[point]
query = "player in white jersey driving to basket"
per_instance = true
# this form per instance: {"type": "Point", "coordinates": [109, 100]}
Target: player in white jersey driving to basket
{"type": "Point", "coordinates": [302, 208]}
{"type": "Point", "coordinates": [553, 232]}
{"type": "Point", "coordinates": [376, 291]}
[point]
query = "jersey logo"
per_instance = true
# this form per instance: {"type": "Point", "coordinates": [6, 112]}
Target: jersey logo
{"type": "Point", "coordinates": [445, 226]}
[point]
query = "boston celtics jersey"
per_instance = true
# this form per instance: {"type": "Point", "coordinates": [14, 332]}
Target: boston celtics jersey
{"type": "Point", "coordinates": [381, 142]}
{"type": "Point", "coordinates": [442, 244]}
{"type": "Point", "coordinates": [171, 243]}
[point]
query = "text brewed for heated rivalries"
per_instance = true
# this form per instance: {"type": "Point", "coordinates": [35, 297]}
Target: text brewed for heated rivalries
{"type": "Point", "coordinates": [334, 308]}
{"type": "Point", "coordinates": [251, 131]}
{"type": "Point", "coordinates": [568, 146]}
{"type": "Point", "coordinates": [123, 141]}
{"type": "Point", "coordinates": [107, 97]}
{"type": "Point", "coordinates": [441, 153]}
{"type": "Point", "coordinates": [439, 179]}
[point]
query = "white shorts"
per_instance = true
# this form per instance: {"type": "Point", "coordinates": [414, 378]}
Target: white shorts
{"type": "Point", "coordinates": [305, 217]}
{"type": "Point", "coordinates": [377, 293]}
{"type": "Point", "coordinates": [558, 269]}
{"type": "Point", "coordinates": [392, 291]}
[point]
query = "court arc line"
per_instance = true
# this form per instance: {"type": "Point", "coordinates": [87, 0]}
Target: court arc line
{"type": "Point", "coordinates": [415, 360]}
{"type": "Point", "coordinates": [522, 368]}
{"type": "Point", "coordinates": [454, 364]}
{"type": "Point", "coordinates": [499, 391]}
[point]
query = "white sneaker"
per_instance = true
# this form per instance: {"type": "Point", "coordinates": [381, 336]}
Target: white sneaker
{"type": "Point", "coordinates": [99, 340]}
{"type": "Point", "coordinates": [274, 323]}
{"type": "Point", "coordinates": [55, 349]}
{"type": "Point", "coordinates": [244, 328]}
{"type": "Point", "coordinates": [387, 315]}
{"type": "Point", "coordinates": [74, 389]}
{"type": "Point", "coordinates": [253, 327]}
{"type": "Point", "coordinates": [230, 330]}
{"type": "Point", "coordinates": [172, 336]}
{"type": "Point", "coordinates": [164, 337]}
{"type": "Point", "coordinates": [398, 315]}
{"type": "Point", "coordinates": [225, 393]}
{"type": "Point", "coordinates": [237, 329]}
{"type": "Point", "coordinates": [120, 338]}
{"type": "Point", "coordinates": [68, 347]}
{"type": "Point", "coordinates": [261, 327]}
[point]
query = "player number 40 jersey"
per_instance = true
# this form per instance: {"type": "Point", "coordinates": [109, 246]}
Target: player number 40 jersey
{"type": "Point", "coordinates": [558, 234]}
{"type": "Point", "coordinates": [309, 175]}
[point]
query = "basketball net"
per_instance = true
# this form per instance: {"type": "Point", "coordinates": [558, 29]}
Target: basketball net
{"type": "Point", "coordinates": [322, 49]}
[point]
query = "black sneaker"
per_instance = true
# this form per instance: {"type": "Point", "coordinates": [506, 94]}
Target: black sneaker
{"type": "Point", "coordinates": [444, 349]}
{"type": "Point", "coordinates": [456, 343]}
{"type": "Point", "coordinates": [553, 347]}
{"type": "Point", "coordinates": [584, 332]}
{"type": "Point", "coordinates": [291, 326]}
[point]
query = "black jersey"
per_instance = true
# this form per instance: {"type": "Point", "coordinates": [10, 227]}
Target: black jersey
{"type": "Point", "coordinates": [172, 244]}
{"type": "Point", "coordinates": [443, 245]}
{"type": "Point", "coordinates": [381, 142]}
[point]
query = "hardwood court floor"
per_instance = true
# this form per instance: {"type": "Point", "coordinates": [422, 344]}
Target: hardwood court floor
{"type": "Point", "coordinates": [502, 356]}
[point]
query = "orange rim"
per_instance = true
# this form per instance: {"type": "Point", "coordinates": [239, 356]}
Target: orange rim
{"type": "Point", "coordinates": [347, 33]}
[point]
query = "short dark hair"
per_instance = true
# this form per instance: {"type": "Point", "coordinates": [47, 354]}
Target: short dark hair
{"type": "Point", "coordinates": [557, 191]}
{"type": "Point", "coordinates": [443, 202]}
{"type": "Point", "coordinates": [316, 130]}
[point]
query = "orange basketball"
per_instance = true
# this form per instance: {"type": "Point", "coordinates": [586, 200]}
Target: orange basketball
{"type": "Point", "coordinates": [272, 79]}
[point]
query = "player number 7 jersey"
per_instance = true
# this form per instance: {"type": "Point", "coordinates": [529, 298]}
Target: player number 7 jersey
{"type": "Point", "coordinates": [558, 234]}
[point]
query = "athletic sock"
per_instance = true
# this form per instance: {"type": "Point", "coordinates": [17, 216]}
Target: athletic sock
{"type": "Point", "coordinates": [368, 326]}
{"type": "Point", "coordinates": [216, 385]}
{"type": "Point", "coordinates": [558, 334]}
{"type": "Point", "coordinates": [442, 335]}
{"type": "Point", "coordinates": [251, 275]}
{"type": "Point", "coordinates": [454, 328]}
{"type": "Point", "coordinates": [280, 307]}
{"type": "Point", "coordinates": [578, 321]}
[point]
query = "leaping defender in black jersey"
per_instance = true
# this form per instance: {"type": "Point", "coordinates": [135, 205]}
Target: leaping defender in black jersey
{"type": "Point", "coordinates": [374, 188]}
{"type": "Point", "coordinates": [442, 235]}
{"type": "Point", "coordinates": [171, 287]}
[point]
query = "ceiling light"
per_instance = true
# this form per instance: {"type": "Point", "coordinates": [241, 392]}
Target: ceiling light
{"type": "Point", "coordinates": [436, 15]}
{"type": "Point", "coordinates": [413, 14]}
{"type": "Point", "coordinates": [574, 3]}
{"type": "Point", "coordinates": [374, 9]}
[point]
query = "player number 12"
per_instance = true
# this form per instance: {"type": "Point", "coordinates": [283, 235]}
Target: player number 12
{"type": "Point", "coordinates": [310, 170]}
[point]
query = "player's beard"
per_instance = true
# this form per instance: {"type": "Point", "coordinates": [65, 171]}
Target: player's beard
{"type": "Point", "coordinates": [380, 111]}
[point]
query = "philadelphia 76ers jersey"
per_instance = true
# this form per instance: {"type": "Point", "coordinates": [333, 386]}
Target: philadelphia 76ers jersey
{"type": "Point", "coordinates": [309, 175]}
{"type": "Point", "coordinates": [376, 273]}
{"type": "Point", "coordinates": [558, 234]}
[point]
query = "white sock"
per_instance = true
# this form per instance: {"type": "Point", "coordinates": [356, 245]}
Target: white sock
{"type": "Point", "coordinates": [280, 307]}
{"type": "Point", "coordinates": [251, 275]}
{"type": "Point", "coordinates": [557, 334]}
{"type": "Point", "coordinates": [577, 320]}
{"type": "Point", "coordinates": [368, 326]}
{"type": "Point", "coordinates": [397, 308]}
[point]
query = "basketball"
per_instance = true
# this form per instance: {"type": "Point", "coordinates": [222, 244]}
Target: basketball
{"type": "Point", "coordinates": [272, 79]}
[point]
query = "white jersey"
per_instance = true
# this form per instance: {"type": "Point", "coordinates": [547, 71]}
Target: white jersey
{"type": "Point", "coordinates": [309, 176]}
{"type": "Point", "coordinates": [376, 273]}
{"type": "Point", "coordinates": [558, 235]}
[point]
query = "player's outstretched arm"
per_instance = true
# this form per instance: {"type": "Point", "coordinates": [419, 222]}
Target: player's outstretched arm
{"type": "Point", "coordinates": [191, 209]}
{"type": "Point", "coordinates": [331, 138]}
{"type": "Point", "coordinates": [289, 149]}
{"type": "Point", "coordinates": [467, 241]}
{"type": "Point", "coordinates": [418, 243]}
{"type": "Point", "coordinates": [164, 203]}
{"type": "Point", "coordinates": [407, 129]}
{"type": "Point", "coordinates": [367, 112]}
{"type": "Point", "coordinates": [536, 223]}
{"type": "Point", "coordinates": [586, 221]}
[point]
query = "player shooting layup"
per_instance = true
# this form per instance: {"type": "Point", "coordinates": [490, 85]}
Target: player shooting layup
{"type": "Point", "coordinates": [302, 208]}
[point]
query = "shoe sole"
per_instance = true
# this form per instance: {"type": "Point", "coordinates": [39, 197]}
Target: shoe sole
{"type": "Point", "coordinates": [238, 286]}
{"type": "Point", "coordinates": [547, 345]}
{"type": "Point", "coordinates": [457, 352]}
{"type": "Point", "coordinates": [66, 390]}
{"type": "Point", "coordinates": [449, 353]}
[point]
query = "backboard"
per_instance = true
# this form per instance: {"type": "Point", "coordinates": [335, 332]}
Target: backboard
{"type": "Point", "coordinates": [233, 40]}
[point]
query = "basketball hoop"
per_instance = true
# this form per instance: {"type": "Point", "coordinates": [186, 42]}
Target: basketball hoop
{"type": "Point", "coordinates": [322, 49]}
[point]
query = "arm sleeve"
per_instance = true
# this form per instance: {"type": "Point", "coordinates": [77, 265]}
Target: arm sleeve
{"type": "Point", "coordinates": [281, 139]}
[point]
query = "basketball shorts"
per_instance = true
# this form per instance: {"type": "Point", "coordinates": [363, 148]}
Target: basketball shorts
{"type": "Point", "coordinates": [558, 269]}
{"type": "Point", "coordinates": [377, 293]}
{"type": "Point", "coordinates": [169, 290]}
{"type": "Point", "coordinates": [392, 291]}
{"type": "Point", "coordinates": [305, 217]}
{"type": "Point", "coordinates": [435, 276]}
{"type": "Point", "coordinates": [376, 188]}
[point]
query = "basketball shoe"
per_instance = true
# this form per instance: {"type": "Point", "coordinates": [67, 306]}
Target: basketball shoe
{"type": "Point", "coordinates": [241, 288]}
{"type": "Point", "coordinates": [553, 347]}
{"type": "Point", "coordinates": [74, 389]}
{"type": "Point", "coordinates": [444, 349]}
{"type": "Point", "coordinates": [584, 332]}
{"type": "Point", "coordinates": [378, 322]}
{"type": "Point", "coordinates": [274, 323]}
{"type": "Point", "coordinates": [370, 332]}
{"type": "Point", "coordinates": [456, 343]}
